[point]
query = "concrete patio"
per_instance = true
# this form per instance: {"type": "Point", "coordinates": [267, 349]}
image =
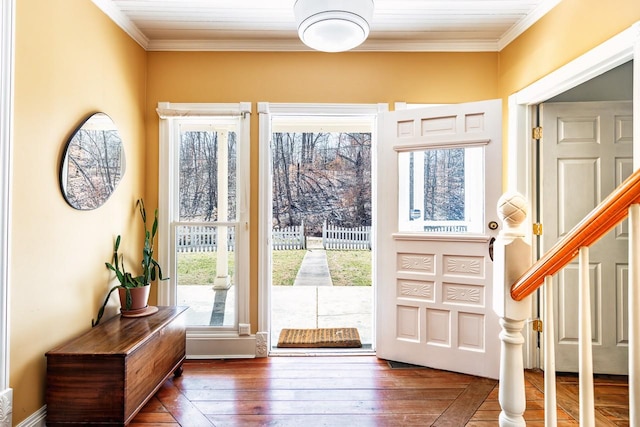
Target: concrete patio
{"type": "Point", "coordinates": [291, 307]}
{"type": "Point", "coordinates": [312, 302]}
{"type": "Point", "coordinates": [322, 307]}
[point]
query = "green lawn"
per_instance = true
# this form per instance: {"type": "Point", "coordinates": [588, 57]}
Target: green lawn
{"type": "Point", "coordinates": [347, 268]}
{"type": "Point", "coordinates": [285, 266]}
{"type": "Point", "coordinates": [199, 268]}
{"type": "Point", "coordinates": [350, 268]}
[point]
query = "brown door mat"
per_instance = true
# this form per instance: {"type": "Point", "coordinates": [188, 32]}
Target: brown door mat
{"type": "Point", "coordinates": [320, 338]}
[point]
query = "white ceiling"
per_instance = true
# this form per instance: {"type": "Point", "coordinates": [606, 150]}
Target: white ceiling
{"type": "Point", "coordinates": [269, 25]}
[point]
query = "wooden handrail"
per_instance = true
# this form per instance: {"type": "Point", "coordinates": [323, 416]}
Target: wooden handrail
{"type": "Point", "coordinates": [596, 224]}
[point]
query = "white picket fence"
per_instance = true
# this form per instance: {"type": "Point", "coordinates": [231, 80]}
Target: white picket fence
{"type": "Point", "coordinates": [445, 226]}
{"type": "Point", "coordinates": [191, 238]}
{"type": "Point", "coordinates": [346, 238]}
{"type": "Point", "coordinates": [288, 238]}
{"type": "Point", "coordinates": [204, 238]}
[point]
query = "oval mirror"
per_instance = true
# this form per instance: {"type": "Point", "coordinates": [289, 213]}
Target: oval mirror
{"type": "Point", "coordinates": [93, 163]}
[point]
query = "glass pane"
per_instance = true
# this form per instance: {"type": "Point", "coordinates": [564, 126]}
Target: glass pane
{"type": "Point", "coordinates": [441, 190]}
{"type": "Point", "coordinates": [205, 274]}
{"type": "Point", "coordinates": [321, 177]}
{"type": "Point", "coordinates": [208, 159]}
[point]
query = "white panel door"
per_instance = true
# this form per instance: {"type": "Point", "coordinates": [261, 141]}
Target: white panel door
{"type": "Point", "coordinates": [586, 154]}
{"type": "Point", "coordinates": [439, 179]}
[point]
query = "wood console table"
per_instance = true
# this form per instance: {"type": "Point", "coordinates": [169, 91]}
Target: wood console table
{"type": "Point", "coordinates": [107, 375]}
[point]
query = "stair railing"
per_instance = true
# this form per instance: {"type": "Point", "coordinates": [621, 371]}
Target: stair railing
{"type": "Point", "coordinates": [515, 280]}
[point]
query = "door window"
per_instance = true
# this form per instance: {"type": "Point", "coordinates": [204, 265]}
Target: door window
{"type": "Point", "coordinates": [441, 190]}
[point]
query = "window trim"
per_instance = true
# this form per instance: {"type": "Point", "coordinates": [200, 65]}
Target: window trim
{"type": "Point", "coordinates": [170, 115]}
{"type": "Point", "coordinates": [7, 61]}
{"type": "Point", "coordinates": [7, 74]}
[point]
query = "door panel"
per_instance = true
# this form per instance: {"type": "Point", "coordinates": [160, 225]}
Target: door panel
{"type": "Point", "coordinates": [586, 154]}
{"type": "Point", "coordinates": [439, 181]}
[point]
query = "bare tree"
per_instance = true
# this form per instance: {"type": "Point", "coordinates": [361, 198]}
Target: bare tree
{"type": "Point", "coordinates": [444, 184]}
{"type": "Point", "coordinates": [318, 176]}
{"type": "Point", "coordinates": [95, 166]}
{"type": "Point", "coordinates": [199, 175]}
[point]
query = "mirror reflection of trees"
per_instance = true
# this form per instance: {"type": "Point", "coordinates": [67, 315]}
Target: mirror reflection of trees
{"type": "Point", "coordinates": [318, 176]}
{"type": "Point", "coordinates": [93, 163]}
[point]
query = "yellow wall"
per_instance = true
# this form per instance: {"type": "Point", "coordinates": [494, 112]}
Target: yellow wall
{"type": "Point", "coordinates": [571, 29]}
{"type": "Point", "coordinates": [70, 60]}
{"type": "Point", "coordinates": [308, 77]}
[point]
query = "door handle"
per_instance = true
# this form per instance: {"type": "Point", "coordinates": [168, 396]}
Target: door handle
{"type": "Point", "coordinates": [493, 239]}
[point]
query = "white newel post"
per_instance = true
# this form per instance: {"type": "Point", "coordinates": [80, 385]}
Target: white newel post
{"type": "Point", "coordinates": [512, 257]}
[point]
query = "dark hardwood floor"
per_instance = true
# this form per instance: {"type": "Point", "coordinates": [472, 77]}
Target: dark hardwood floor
{"type": "Point", "coordinates": [355, 391]}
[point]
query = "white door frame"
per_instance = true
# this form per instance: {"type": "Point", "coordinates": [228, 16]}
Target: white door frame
{"type": "Point", "coordinates": [621, 48]}
{"type": "Point", "coordinates": [230, 344]}
{"type": "Point", "coordinates": [7, 60]}
{"type": "Point", "coordinates": [266, 110]}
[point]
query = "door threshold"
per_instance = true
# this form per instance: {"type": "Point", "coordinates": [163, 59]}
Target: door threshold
{"type": "Point", "coordinates": [365, 350]}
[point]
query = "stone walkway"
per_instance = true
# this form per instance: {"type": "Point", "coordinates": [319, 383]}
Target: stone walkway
{"type": "Point", "coordinates": [314, 270]}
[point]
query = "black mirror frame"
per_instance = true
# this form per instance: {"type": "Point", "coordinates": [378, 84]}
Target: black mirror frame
{"type": "Point", "coordinates": [105, 168]}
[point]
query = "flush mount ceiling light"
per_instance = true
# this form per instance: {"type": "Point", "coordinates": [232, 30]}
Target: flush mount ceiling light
{"type": "Point", "coordinates": [333, 25]}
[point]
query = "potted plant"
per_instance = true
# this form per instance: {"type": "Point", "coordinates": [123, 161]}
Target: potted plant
{"type": "Point", "coordinates": [129, 285]}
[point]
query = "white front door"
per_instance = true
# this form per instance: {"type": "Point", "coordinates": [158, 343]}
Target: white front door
{"type": "Point", "coordinates": [586, 154]}
{"type": "Point", "coordinates": [439, 180]}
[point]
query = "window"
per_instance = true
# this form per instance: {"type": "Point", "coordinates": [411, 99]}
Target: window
{"type": "Point", "coordinates": [205, 221]}
{"type": "Point", "coordinates": [439, 190]}
{"type": "Point", "coordinates": [204, 208]}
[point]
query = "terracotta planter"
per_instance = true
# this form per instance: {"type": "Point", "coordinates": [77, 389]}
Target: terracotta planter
{"type": "Point", "coordinates": [139, 300]}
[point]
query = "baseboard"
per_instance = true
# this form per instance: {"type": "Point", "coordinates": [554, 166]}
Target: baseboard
{"type": "Point", "coordinates": [203, 346]}
{"type": "Point", "coordinates": [37, 419]}
{"type": "Point", "coordinates": [262, 344]}
{"type": "Point", "coordinates": [6, 407]}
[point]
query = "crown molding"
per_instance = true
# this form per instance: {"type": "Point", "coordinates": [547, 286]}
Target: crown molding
{"type": "Point", "coordinates": [294, 45]}
{"type": "Point", "coordinates": [122, 21]}
{"type": "Point", "coordinates": [522, 26]}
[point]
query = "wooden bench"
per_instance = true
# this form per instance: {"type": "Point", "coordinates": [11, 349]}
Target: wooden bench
{"type": "Point", "coordinates": [106, 375]}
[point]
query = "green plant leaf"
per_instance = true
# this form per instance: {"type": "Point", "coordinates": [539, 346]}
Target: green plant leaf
{"type": "Point", "coordinates": [154, 228]}
{"type": "Point", "coordinates": [101, 310]}
{"type": "Point", "coordinates": [150, 267]}
{"type": "Point", "coordinates": [129, 299]}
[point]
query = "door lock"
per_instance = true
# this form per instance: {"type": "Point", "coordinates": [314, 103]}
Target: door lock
{"type": "Point", "coordinates": [493, 225]}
